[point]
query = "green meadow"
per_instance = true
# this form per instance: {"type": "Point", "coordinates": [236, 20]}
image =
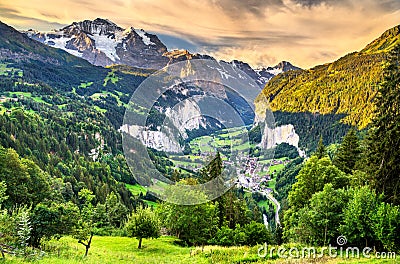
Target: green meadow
{"type": "Point", "coordinates": [111, 250]}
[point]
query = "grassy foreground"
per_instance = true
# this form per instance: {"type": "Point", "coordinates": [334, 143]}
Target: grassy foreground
{"type": "Point", "coordinates": [163, 250]}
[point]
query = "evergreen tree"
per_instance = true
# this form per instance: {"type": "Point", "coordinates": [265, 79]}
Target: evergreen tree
{"type": "Point", "coordinates": [348, 153]}
{"type": "Point", "coordinates": [215, 167]}
{"type": "Point", "coordinates": [384, 139]}
{"type": "Point", "coordinates": [23, 231]}
{"type": "Point", "coordinates": [116, 211]}
{"type": "Point", "coordinates": [321, 150]}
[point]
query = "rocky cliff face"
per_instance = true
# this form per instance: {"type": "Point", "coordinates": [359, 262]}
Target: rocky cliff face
{"type": "Point", "coordinates": [263, 75]}
{"type": "Point", "coordinates": [281, 134]}
{"type": "Point", "coordinates": [159, 140]}
{"type": "Point", "coordinates": [186, 116]}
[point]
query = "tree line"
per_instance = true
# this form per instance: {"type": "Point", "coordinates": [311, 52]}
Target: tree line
{"type": "Point", "coordinates": [354, 190]}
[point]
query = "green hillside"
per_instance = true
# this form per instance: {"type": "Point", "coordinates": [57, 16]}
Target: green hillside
{"type": "Point", "coordinates": [347, 86]}
{"type": "Point", "coordinates": [62, 113]}
{"type": "Point", "coordinates": [385, 43]}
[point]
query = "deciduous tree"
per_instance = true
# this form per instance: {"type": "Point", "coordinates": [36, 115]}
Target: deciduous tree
{"type": "Point", "coordinates": [143, 224]}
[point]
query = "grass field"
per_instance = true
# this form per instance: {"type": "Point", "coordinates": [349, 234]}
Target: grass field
{"type": "Point", "coordinates": [272, 183]}
{"type": "Point", "coordinates": [264, 203]}
{"type": "Point", "coordinates": [276, 168]}
{"type": "Point", "coordinates": [111, 77]}
{"type": "Point", "coordinates": [37, 99]}
{"type": "Point", "coordinates": [110, 250]}
{"type": "Point", "coordinates": [97, 96]}
{"type": "Point", "coordinates": [85, 85]}
{"type": "Point", "coordinates": [220, 139]}
{"type": "Point", "coordinates": [5, 70]}
{"type": "Point", "coordinates": [136, 189]}
{"type": "Point", "coordinates": [99, 109]}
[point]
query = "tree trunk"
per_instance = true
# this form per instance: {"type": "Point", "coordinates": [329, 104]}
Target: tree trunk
{"type": "Point", "coordinates": [140, 243]}
{"type": "Point", "coordinates": [87, 246]}
{"type": "Point", "coordinates": [87, 250]}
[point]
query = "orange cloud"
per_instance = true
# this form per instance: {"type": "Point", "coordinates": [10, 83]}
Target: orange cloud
{"type": "Point", "coordinates": [264, 32]}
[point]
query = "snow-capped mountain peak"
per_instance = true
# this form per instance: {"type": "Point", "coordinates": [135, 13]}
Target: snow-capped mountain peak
{"type": "Point", "coordinates": [98, 26]}
{"type": "Point", "coordinates": [102, 43]}
{"type": "Point", "coordinates": [263, 75]}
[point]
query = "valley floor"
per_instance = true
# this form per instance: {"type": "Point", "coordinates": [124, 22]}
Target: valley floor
{"type": "Point", "coordinates": [163, 250]}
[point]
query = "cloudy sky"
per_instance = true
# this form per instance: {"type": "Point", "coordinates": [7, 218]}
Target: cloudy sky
{"type": "Point", "coordinates": [264, 32]}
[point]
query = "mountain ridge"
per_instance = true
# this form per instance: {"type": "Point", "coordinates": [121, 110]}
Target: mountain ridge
{"type": "Point", "coordinates": [385, 42]}
{"type": "Point", "coordinates": [103, 43]}
{"type": "Point", "coordinates": [346, 86]}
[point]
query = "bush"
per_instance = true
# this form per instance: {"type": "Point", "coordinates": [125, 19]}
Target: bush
{"type": "Point", "coordinates": [256, 233]}
{"type": "Point", "coordinates": [250, 234]}
{"type": "Point", "coordinates": [224, 237]}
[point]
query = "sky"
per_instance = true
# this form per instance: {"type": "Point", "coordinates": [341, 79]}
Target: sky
{"type": "Point", "coordinates": [262, 33]}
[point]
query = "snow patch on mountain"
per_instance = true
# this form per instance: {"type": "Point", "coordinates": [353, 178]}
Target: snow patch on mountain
{"type": "Point", "coordinates": [273, 71]}
{"type": "Point", "coordinates": [102, 43]}
{"type": "Point", "coordinates": [61, 43]}
{"type": "Point", "coordinates": [106, 45]}
{"type": "Point", "coordinates": [146, 39]}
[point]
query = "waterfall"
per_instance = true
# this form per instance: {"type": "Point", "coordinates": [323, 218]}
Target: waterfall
{"type": "Point", "coordinates": [265, 218]}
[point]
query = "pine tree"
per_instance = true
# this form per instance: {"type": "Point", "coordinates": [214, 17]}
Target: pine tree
{"type": "Point", "coordinates": [383, 152]}
{"type": "Point", "coordinates": [321, 150]}
{"type": "Point", "coordinates": [214, 173]}
{"type": "Point", "coordinates": [215, 167]}
{"type": "Point", "coordinates": [24, 231]}
{"type": "Point", "coordinates": [3, 196]}
{"type": "Point", "coordinates": [348, 153]}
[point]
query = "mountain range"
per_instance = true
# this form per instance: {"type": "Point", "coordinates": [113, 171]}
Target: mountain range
{"type": "Point", "coordinates": [103, 43]}
{"type": "Point", "coordinates": [325, 100]}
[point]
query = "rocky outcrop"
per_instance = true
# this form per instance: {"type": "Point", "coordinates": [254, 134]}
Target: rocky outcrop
{"type": "Point", "coordinates": [281, 134]}
{"type": "Point", "coordinates": [159, 140]}
{"type": "Point", "coordinates": [186, 116]}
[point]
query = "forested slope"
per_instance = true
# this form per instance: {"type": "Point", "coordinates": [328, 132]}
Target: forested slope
{"type": "Point", "coordinates": [347, 86]}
